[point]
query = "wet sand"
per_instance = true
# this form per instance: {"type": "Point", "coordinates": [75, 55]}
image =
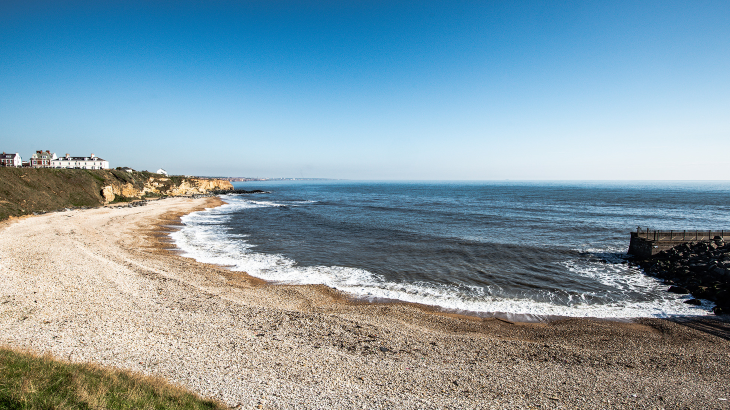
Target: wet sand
{"type": "Point", "coordinates": [102, 285]}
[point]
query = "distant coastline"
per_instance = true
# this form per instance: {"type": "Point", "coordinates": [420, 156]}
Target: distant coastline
{"type": "Point", "coordinates": [249, 179]}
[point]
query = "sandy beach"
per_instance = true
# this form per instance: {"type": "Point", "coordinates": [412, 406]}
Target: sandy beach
{"type": "Point", "coordinates": [101, 285]}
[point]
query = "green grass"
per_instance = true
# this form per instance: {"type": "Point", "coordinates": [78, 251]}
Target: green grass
{"type": "Point", "coordinates": [28, 381]}
{"type": "Point", "coordinates": [121, 198]}
{"type": "Point", "coordinates": [96, 176]}
{"type": "Point", "coordinates": [177, 179]}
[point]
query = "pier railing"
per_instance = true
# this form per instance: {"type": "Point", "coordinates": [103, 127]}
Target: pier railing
{"type": "Point", "coordinates": [687, 235]}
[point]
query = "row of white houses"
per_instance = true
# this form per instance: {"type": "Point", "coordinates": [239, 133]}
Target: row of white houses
{"type": "Point", "coordinates": [47, 159]}
{"type": "Point", "coordinates": [90, 162]}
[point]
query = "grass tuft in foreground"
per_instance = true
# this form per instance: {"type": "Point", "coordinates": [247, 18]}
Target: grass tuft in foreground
{"type": "Point", "coordinates": [28, 381]}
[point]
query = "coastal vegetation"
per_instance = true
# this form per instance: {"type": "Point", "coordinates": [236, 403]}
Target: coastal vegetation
{"type": "Point", "coordinates": [29, 381]}
{"type": "Point", "coordinates": [26, 191]}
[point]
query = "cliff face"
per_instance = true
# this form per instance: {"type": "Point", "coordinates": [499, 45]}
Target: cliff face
{"type": "Point", "coordinates": [163, 186]}
{"type": "Point", "coordinates": [200, 186]}
{"type": "Point", "coordinates": [25, 191]}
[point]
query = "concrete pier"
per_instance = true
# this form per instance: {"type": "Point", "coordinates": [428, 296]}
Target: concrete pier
{"type": "Point", "coordinates": [646, 242]}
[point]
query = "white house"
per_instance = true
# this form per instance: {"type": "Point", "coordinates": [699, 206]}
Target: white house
{"type": "Point", "coordinates": [161, 171]}
{"type": "Point", "coordinates": [11, 160]}
{"type": "Point", "coordinates": [90, 162]}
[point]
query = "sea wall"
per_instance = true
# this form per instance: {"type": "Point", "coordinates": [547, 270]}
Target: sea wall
{"type": "Point", "coordinates": [645, 243]}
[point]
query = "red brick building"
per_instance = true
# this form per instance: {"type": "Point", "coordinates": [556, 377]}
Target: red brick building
{"type": "Point", "coordinates": [42, 159]}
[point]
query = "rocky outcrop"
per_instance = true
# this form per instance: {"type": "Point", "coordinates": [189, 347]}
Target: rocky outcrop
{"type": "Point", "coordinates": [165, 186]}
{"type": "Point", "coordinates": [701, 269]}
{"type": "Point", "coordinates": [196, 186]}
{"type": "Point", "coordinates": [111, 192]}
{"type": "Point", "coordinates": [108, 193]}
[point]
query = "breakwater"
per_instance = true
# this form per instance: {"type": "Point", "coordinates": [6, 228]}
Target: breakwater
{"type": "Point", "coordinates": [646, 242]}
{"type": "Point", "coordinates": [700, 268]}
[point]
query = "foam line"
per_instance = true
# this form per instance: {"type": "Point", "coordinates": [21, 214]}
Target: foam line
{"type": "Point", "coordinates": [202, 239]}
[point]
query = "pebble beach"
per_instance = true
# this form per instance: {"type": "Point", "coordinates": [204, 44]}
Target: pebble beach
{"type": "Point", "coordinates": [103, 285]}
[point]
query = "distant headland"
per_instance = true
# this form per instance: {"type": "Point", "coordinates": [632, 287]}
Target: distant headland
{"type": "Point", "coordinates": [249, 179]}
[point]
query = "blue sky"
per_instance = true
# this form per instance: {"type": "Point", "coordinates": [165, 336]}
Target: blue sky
{"type": "Point", "coordinates": [461, 90]}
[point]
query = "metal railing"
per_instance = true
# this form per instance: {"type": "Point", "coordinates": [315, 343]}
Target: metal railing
{"type": "Point", "coordinates": [686, 235]}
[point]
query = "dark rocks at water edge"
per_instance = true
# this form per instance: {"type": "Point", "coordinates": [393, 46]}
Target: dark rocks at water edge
{"type": "Point", "coordinates": [701, 269]}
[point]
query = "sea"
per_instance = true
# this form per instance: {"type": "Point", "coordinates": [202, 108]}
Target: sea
{"type": "Point", "coordinates": [528, 250]}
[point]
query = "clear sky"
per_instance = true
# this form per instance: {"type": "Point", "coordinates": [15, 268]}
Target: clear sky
{"type": "Point", "coordinates": [373, 89]}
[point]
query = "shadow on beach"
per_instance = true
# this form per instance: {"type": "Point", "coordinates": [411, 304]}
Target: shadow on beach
{"type": "Point", "coordinates": [714, 325]}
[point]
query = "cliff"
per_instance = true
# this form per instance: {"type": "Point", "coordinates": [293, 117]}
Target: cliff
{"type": "Point", "coordinates": [156, 185]}
{"type": "Point", "coordinates": [26, 191]}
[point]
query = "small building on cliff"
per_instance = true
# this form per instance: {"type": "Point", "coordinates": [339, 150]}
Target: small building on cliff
{"type": "Point", "coordinates": [90, 162]}
{"type": "Point", "coordinates": [11, 160]}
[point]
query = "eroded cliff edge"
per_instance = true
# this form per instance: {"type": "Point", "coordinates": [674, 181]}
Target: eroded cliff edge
{"type": "Point", "coordinates": [25, 191]}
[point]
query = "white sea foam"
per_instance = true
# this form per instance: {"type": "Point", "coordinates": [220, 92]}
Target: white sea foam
{"type": "Point", "coordinates": [201, 238]}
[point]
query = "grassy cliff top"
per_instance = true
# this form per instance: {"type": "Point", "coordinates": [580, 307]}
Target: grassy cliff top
{"type": "Point", "coordinates": [24, 191]}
